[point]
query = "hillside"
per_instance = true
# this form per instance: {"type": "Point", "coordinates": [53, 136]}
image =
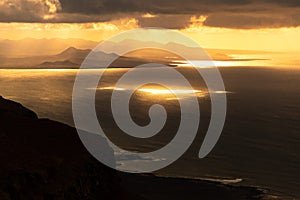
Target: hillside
{"type": "Point", "coordinates": [44, 159]}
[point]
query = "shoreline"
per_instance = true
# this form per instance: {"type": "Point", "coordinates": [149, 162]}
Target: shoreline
{"type": "Point", "coordinates": [157, 187]}
{"type": "Point", "coordinates": [177, 188]}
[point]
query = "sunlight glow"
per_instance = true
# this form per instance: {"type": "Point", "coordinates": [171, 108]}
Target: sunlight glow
{"type": "Point", "coordinates": [166, 91]}
{"type": "Point", "coordinates": [149, 15]}
{"type": "Point", "coordinates": [108, 88]}
{"type": "Point", "coordinates": [267, 39]}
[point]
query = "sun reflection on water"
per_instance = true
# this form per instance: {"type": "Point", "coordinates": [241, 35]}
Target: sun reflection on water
{"type": "Point", "coordinates": [166, 91]}
{"type": "Point", "coordinates": [162, 92]}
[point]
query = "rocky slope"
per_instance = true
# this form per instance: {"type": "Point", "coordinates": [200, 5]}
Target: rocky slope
{"type": "Point", "coordinates": [43, 159]}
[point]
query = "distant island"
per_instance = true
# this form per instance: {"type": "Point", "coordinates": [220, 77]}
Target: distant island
{"type": "Point", "coordinates": [71, 57]}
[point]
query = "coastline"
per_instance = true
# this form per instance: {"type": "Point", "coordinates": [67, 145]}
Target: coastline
{"type": "Point", "coordinates": [58, 171]}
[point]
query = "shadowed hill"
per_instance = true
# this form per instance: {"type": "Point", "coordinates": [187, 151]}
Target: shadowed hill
{"type": "Point", "coordinates": [44, 159]}
{"type": "Point", "coordinates": [30, 47]}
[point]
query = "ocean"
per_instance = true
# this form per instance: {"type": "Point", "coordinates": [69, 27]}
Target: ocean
{"type": "Point", "coordinates": [260, 142]}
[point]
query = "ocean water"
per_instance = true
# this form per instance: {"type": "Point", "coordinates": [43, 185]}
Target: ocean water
{"type": "Point", "coordinates": [260, 142]}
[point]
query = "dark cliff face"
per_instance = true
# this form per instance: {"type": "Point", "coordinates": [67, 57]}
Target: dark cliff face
{"type": "Point", "coordinates": [43, 159]}
{"type": "Point", "coordinates": [12, 109]}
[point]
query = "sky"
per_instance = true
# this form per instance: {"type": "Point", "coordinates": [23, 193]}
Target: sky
{"type": "Point", "coordinates": [228, 24]}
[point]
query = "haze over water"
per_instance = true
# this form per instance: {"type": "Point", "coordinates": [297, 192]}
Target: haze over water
{"type": "Point", "coordinates": [260, 140]}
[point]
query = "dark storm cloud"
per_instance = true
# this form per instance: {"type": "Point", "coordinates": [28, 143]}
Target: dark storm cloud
{"type": "Point", "coordinates": [153, 6]}
{"type": "Point", "coordinates": [252, 21]}
{"type": "Point", "coordinates": [97, 6]}
{"type": "Point", "coordinates": [169, 13]}
{"type": "Point", "coordinates": [22, 10]}
{"type": "Point", "coordinates": [289, 3]}
{"type": "Point", "coordinates": [178, 21]}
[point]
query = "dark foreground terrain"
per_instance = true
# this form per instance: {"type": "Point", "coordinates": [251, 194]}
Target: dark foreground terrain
{"type": "Point", "coordinates": [44, 159]}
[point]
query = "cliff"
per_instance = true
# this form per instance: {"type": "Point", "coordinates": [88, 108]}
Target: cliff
{"type": "Point", "coordinates": [44, 159]}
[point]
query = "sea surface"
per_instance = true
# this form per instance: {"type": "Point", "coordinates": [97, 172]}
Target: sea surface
{"type": "Point", "coordinates": [260, 142]}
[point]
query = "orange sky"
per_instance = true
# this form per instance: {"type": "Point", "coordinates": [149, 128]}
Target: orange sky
{"type": "Point", "coordinates": [275, 39]}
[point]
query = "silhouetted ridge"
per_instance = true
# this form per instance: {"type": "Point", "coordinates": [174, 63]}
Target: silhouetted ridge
{"type": "Point", "coordinates": [44, 159]}
{"type": "Point", "coordinates": [71, 51]}
{"type": "Point", "coordinates": [11, 108]}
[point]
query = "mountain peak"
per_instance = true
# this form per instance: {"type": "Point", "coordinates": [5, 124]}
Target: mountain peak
{"type": "Point", "coordinates": [72, 50]}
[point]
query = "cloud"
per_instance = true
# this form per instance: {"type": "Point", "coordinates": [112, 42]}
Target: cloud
{"type": "Point", "coordinates": [27, 10]}
{"type": "Point", "coordinates": [174, 14]}
{"type": "Point", "coordinates": [252, 21]}
{"type": "Point", "coordinates": [178, 21]}
{"type": "Point", "coordinates": [145, 6]}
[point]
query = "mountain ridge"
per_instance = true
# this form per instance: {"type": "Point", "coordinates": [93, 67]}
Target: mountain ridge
{"type": "Point", "coordinates": [74, 56]}
{"type": "Point", "coordinates": [44, 159]}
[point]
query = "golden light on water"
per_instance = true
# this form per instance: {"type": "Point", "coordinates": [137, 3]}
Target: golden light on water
{"type": "Point", "coordinates": [155, 90]}
{"type": "Point", "coordinates": [159, 92]}
{"type": "Point", "coordinates": [166, 91]}
{"type": "Point", "coordinates": [270, 59]}
{"type": "Point", "coordinates": [112, 88]}
{"type": "Point", "coordinates": [163, 91]}
{"type": "Point", "coordinates": [171, 94]}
